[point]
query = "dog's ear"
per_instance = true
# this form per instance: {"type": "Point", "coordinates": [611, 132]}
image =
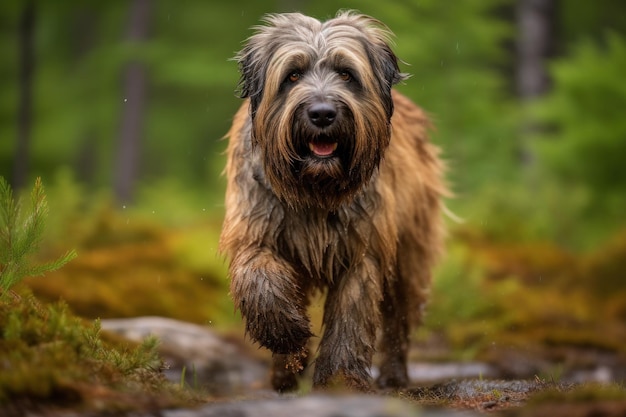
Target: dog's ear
{"type": "Point", "coordinates": [252, 70]}
{"type": "Point", "coordinates": [386, 67]}
{"type": "Point", "coordinates": [382, 58]}
{"type": "Point", "coordinates": [390, 68]}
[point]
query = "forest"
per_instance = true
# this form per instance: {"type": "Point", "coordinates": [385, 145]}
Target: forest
{"type": "Point", "coordinates": [121, 108]}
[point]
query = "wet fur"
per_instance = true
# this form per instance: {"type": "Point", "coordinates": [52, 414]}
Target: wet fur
{"type": "Point", "coordinates": [364, 225]}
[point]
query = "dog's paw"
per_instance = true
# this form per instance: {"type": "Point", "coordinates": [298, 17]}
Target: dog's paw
{"type": "Point", "coordinates": [276, 322]}
{"type": "Point", "coordinates": [342, 379]}
{"type": "Point", "coordinates": [286, 368]}
{"type": "Point", "coordinates": [392, 381]}
{"type": "Point", "coordinates": [280, 332]}
{"type": "Point", "coordinates": [271, 303]}
{"type": "Point", "coordinates": [333, 372]}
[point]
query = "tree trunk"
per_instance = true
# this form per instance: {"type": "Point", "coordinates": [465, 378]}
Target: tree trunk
{"type": "Point", "coordinates": [535, 21]}
{"type": "Point", "coordinates": [134, 96]}
{"type": "Point", "coordinates": [25, 104]}
{"type": "Point", "coordinates": [536, 30]}
{"type": "Point", "coordinates": [85, 25]}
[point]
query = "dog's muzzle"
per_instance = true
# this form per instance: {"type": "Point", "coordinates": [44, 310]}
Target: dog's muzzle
{"type": "Point", "coordinates": [322, 115]}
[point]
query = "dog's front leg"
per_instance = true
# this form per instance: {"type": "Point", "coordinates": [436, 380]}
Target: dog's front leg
{"type": "Point", "coordinates": [266, 291]}
{"type": "Point", "coordinates": [351, 318]}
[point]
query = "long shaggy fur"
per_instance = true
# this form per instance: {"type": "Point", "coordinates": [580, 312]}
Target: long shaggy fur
{"type": "Point", "coordinates": [361, 222]}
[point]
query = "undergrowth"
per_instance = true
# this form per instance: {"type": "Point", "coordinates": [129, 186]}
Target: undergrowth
{"type": "Point", "coordinates": [167, 252]}
{"type": "Point", "coordinates": [50, 358]}
{"type": "Point", "coordinates": [21, 236]}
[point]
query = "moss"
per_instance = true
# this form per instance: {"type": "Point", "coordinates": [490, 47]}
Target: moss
{"type": "Point", "coordinates": [530, 296]}
{"type": "Point", "coordinates": [177, 272]}
{"type": "Point", "coordinates": [51, 358]}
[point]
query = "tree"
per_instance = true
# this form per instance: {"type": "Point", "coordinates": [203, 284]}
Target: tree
{"type": "Point", "coordinates": [25, 106]}
{"type": "Point", "coordinates": [20, 236]}
{"type": "Point", "coordinates": [535, 23]}
{"type": "Point", "coordinates": [134, 90]}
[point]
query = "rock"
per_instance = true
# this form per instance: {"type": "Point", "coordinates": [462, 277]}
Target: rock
{"type": "Point", "coordinates": [316, 406]}
{"type": "Point", "coordinates": [210, 361]}
{"type": "Point", "coordinates": [422, 373]}
{"type": "Point", "coordinates": [225, 368]}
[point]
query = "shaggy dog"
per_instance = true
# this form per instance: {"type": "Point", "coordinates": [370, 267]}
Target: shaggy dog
{"type": "Point", "coordinates": [332, 185]}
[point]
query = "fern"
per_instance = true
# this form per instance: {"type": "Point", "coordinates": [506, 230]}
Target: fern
{"type": "Point", "coordinates": [21, 235]}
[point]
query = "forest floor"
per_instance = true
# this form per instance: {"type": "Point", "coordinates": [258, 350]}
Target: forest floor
{"type": "Point", "coordinates": [234, 379]}
{"type": "Point", "coordinates": [524, 329]}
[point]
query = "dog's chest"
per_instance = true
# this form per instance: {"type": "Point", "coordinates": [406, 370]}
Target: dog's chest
{"type": "Point", "coordinates": [323, 245]}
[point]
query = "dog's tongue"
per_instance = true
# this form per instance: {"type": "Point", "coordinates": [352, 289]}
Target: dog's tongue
{"type": "Point", "coordinates": [320, 148]}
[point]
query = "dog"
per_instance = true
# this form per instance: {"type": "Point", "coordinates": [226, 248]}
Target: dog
{"type": "Point", "coordinates": [332, 185]}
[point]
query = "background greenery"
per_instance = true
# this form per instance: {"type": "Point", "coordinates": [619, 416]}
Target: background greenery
{"type": "Point", "coordinates": [538, 260]}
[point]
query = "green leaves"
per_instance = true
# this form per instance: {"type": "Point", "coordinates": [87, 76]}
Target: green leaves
{"type": "Point", "coordinates": [585, 109]}
{"type": "Point", "coordinates": [582, 147]}
{"type": "Point", "coordinates": [20, 237]}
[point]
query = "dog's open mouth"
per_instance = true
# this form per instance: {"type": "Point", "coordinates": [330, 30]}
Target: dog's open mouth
{"type": "Point", "coordinates": [323, 146]}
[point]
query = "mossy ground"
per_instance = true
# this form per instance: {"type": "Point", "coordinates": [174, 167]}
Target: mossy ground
{"type": "Point", "coordinates": [492, 298]}
{"type": "Point", "coordinates": [52, 359]}
{"type": "Point", "coordinates": [130, 266]}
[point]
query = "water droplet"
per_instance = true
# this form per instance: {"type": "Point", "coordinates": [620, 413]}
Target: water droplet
{"type": "Point", "coordinates": [125, 100]}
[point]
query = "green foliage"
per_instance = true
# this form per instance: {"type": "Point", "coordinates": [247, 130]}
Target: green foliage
{"type": "Point", "coordinates": [529, 295]}
{"type": "Point", "coordinates": [168, 252]}
{"type": "Point", "coordinates": [585, 111]}
{"type": "Point", "coordinates": [21, 235]}
{"type": "Point", "coordinates": [584, 146]}
{"type": "Point", "coordinates": [51, 357]}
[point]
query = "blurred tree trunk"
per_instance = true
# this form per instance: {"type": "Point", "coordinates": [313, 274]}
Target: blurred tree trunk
{"type": "Point", "coordinates": [134, 96]}
{"type": "Point", "coordinates": [85, 24]}
{"type": "Point", "coordinates": [26, 50]}
{"type": "Point", "coordinates": [536, 29]}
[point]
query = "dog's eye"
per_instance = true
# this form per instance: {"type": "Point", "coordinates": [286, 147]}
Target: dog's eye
{"type": "Point", "coordinates": [345, 75]}
{"type": "Point", "coordinates": [294, 76]}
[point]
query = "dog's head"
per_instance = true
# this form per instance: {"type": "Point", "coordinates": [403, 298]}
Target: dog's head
{"type": "Point", "coordinates": [320, 102]}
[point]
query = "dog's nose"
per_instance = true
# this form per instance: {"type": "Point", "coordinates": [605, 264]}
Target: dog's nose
{"type": "Point", "coordinates": [322, 114]}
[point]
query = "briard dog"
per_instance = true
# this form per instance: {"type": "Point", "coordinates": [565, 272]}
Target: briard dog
{"type": "Point", "coordinates": [332, 186]}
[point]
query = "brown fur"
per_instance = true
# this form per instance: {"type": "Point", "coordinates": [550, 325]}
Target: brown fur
{"type": "Point", "coordinates": [363, 224]}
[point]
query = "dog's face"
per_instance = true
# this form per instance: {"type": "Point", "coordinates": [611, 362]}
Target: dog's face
{"type": "Point", "coordinates": [320, 102]}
